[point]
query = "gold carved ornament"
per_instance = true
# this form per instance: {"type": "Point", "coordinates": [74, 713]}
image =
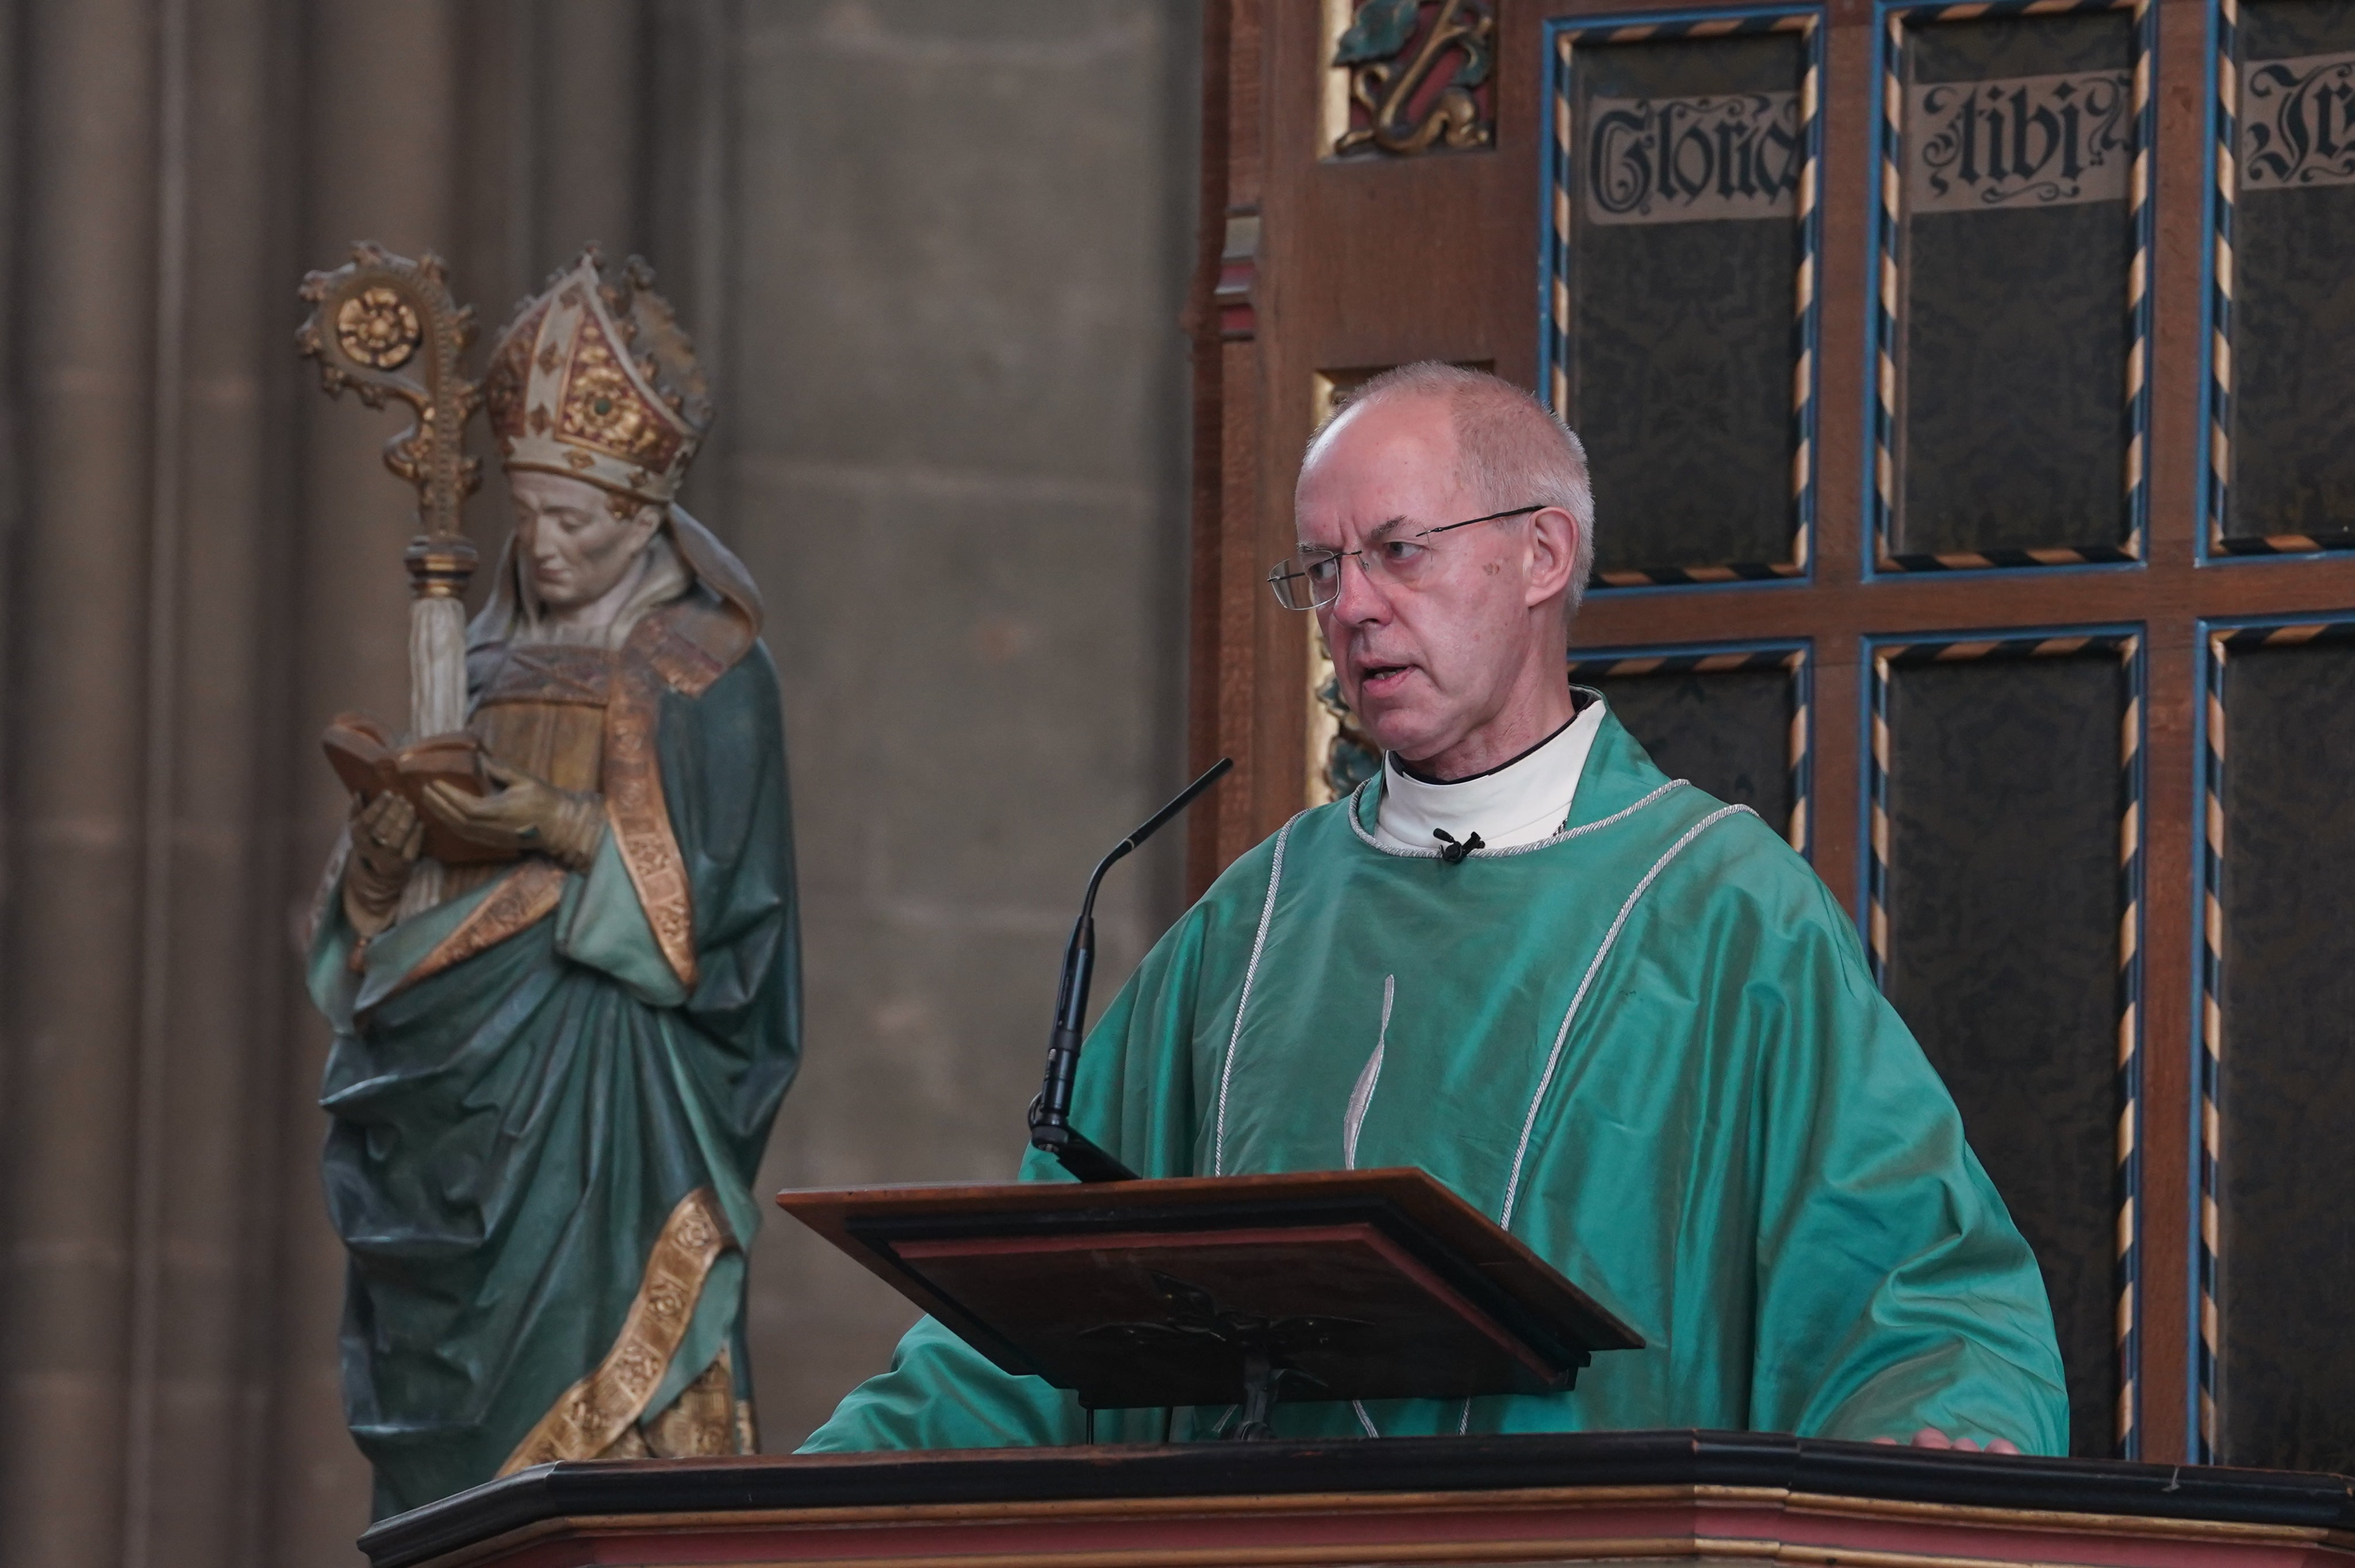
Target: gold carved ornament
{"type": "Point", "coordinates": [592, 1415]}
{"type": "Point", "coordinates": [385, 326]}
{"type": "Point", "coordinates": [1393, 58]}
{"type": "Point", "coordinates": [603, 408]}
{"type": "Point", "coordinates": [378, 328]}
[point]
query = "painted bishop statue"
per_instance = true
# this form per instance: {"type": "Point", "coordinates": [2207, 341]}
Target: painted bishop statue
{"type": "Point", "coordinates": [551, 1089]}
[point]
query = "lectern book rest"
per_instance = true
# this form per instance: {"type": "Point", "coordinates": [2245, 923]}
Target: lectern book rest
{"type": "Point", "coordinates": [1228, 1289]}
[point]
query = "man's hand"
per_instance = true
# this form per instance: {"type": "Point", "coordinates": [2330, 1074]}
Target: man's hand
{"type": "Point", "coordinates": [526, 813]}
{"type": "Point", "coordinates": [386, 838]}
{"type": "Point", "coordinates": [1930, 1438]}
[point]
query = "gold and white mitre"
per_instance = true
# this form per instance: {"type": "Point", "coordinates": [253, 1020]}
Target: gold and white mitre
{"type": "Point", "coordinates": [593, 378]}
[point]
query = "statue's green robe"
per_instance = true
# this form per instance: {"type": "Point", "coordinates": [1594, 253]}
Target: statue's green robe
{"type": "Point", "coordinates": [544, 1134]}
{"type": "Point", "coordinates": [1650, 1046]}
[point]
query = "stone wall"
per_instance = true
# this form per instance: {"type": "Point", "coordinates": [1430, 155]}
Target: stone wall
{"type": "Point", "coordinates": [961, 482]}
{"type": "Point", "coordinates": [933, 251]}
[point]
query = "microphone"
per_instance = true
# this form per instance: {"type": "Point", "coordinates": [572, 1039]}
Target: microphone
{"type": "Point", "coordinates": [1051, 1112]}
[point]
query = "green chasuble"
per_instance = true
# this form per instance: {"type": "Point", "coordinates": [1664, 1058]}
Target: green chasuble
{"type": "Point", "coordinates": [1650, 1046]}
{"type": "Point", "coordinates": [551, 1093]}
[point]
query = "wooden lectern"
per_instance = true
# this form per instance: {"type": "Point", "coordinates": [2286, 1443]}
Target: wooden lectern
{"type": "Point", "coordinates": [1639, 1498]}
{"type": "Point", "coordinates": [1221, 1290]}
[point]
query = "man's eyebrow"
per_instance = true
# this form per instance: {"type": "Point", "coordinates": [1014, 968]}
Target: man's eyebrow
{"type": "Point", "coordinates": [1380, 532]}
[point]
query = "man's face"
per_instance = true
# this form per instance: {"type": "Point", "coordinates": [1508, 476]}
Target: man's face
{"type": "Point", "coordinates": [569, 539]}
{"type": "Point", "coordinates": [1424, 666]}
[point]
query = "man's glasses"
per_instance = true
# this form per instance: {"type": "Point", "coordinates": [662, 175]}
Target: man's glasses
{"type": "Point", "coordinates": [1311, 579]}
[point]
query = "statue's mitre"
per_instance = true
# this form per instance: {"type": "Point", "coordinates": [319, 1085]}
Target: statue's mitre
{"type": "Point", "coordinates": [593, 378]}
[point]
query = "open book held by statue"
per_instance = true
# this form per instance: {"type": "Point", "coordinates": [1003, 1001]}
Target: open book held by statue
{"type": "Point", "coordinates": [559, 943]}
{"type": "Point", "coordinates": [372, 762]}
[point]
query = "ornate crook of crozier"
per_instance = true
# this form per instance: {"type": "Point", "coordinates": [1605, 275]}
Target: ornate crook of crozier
{"type": "Point", "coordinates": [380, 324]}
{"type": "Point", "coordinates": [376, 316]}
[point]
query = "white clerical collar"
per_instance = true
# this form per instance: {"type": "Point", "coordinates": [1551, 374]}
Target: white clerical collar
{"type": "Point", "coordinates": [1527, 799]}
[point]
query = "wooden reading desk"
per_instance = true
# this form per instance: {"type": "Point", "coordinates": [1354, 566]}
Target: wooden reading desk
{"type": "Point", "coordinates": [1662, 1497]}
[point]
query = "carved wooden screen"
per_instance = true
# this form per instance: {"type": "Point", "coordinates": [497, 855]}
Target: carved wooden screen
{"type": "Point", "coordinates": [1962, 386]}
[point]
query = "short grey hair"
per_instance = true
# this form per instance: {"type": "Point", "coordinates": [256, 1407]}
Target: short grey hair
{"type": "Point", "coordinates": [1514, 450]}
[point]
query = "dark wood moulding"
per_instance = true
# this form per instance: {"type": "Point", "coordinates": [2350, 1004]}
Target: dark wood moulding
{"type": "Point", "coordinates": [1929, 1488]}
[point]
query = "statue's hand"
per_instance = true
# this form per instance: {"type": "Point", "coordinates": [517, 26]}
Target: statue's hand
{"type": "Point", "coordinates": [388, 836]}
{"type": "Point", "coordinates": [524, 814]}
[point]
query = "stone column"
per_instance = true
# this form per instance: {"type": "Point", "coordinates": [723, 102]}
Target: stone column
{"type": "Point", "coordinates": [77, 615]}
{"type": "Point", "coordinates": [218, 960]}
{"type": "Point", "coordinates": [587, 179]}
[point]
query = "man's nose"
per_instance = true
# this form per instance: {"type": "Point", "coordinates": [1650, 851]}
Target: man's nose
{"type": "Point", "coordinates": [1357, 598]}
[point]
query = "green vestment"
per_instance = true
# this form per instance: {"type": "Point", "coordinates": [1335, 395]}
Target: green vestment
{"type": "Point", "coordinates": [1649, 1045]}
{"type": "Point", "coordinates": [547, 1117]}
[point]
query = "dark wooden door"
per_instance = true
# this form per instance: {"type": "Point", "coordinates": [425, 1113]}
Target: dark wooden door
{"type": "Point", "coordinates": [1964, 390]}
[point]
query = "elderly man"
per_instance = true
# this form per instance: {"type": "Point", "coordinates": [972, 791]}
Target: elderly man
{"type": "Point", "coordinates": [1620, 1016]}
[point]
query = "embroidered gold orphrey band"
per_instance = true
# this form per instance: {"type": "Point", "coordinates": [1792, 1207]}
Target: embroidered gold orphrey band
{"type": "Point", "coordinates": [660, 652]}
{"type": "Point", "coordinates": [705, 1418]}
{"type": "Point", "coordinates": [589, 1416]}
{"type": "Point", "coordinates": [524, 896]}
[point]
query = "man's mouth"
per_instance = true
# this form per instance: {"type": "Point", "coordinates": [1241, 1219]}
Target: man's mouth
{"type": "Point", "coordinates": [1381, 679]}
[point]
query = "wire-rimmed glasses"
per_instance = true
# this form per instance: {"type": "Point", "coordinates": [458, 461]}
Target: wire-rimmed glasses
{"type": "Point", "coordinates": [1310, 579]}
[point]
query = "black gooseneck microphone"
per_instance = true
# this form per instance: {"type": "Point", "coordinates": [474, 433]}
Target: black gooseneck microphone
{"type": "Point", "coordinates": [1051, 1112]}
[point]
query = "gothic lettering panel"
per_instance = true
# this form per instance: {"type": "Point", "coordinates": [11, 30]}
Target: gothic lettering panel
{"type": "Point", "coordinates": [1681, 314]}
{"type": "Point", "coordinates": [2297, 127]}
{"type": "Point", "coordinates": [1690, 160]}
{"type": "Point", "coordinates": [2280, 1077]}
{"type": "Point", "coordinates": [2031, 141]}
{"type": "Point", "coordinates": [1996, 916]}
{"type": "Point", "coordinates": [2283, 443]}
{"type": "Point", "coordinates": [2009, 398]}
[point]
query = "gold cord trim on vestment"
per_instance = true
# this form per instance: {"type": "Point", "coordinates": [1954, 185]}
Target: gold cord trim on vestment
{"type": "Point", "coordinates": [590, 1415]}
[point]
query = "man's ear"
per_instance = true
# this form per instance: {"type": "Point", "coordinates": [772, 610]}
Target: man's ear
{"type": "Point", "coordinates": [1553, 555]}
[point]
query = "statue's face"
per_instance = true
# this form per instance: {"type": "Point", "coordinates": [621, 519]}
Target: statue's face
{"type": "Point", "coordinates": [568, 538]}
